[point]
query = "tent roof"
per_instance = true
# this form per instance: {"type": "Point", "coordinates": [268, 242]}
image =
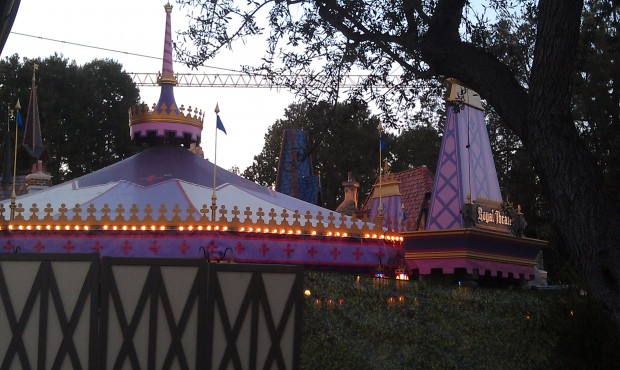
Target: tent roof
{"type": "Point", "coordinates": [166, 175]}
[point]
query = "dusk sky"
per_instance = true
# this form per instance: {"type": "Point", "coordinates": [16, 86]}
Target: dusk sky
{"type": "Point", "coordinates": [137, 27]}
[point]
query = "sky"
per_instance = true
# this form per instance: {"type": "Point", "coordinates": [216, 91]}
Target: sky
{"type": "Point", "coordinates": [138, 27]}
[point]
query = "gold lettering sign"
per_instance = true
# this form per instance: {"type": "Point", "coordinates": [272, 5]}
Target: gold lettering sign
{"type": "Point", "coordinates": [490, 216]}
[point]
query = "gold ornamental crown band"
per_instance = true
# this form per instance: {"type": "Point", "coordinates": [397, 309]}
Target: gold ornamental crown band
{"type": "Point", "coordinates": [140, 113]}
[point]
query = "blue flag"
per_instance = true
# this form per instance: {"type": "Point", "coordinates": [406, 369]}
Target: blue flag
{"type": "Point", "coordinates": [381, 143]}
{"type": "Point", "coordinates": [220, 125]}
{"type": "Point", "coordinates": [20, 123]}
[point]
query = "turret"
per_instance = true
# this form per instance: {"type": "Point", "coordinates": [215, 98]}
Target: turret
{"type": "Point", "coordinates": [165, 122]}
{"type": "Point", "coordinates": [465, 170]}
{"type": "Point", "coordinates": [33, 140]}
{"type": "Point", "coordinates": [349, 204]}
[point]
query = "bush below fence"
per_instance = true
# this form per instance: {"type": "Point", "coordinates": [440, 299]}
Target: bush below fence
{"type": "Point", "coordinates": [373, 325]}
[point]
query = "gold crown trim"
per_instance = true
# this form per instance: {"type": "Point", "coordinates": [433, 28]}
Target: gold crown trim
{"type": "Point", "coordinates": [167, 78]}
{"type": "Point", "coordinates": [140, 113]}
{"type": "Point", "coordinates": [157, 219]}
{"type": "Point", "coordinates": [387, 178]}
{"type": "Point", "coordinates": [470, 254]}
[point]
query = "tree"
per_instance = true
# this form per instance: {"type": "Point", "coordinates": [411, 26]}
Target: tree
{"type": "Point", "coordinates": [426, 40]}
{"type": "Point", "coordinates": [83, 110]}
{"type": "Point", "coordinates": [342, 138]}
{"type": "Point", "coordinates": [597, 88]}
{"type": "Point", "coordinates": [415, 146]}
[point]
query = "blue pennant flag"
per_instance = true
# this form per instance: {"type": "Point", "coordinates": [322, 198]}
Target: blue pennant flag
{"type": "Point", "coordinates": [220, 125]}
{"type": "Point", "coordinates": [20, 122]}
{"type": "Point", "coordinates": [381, 143]}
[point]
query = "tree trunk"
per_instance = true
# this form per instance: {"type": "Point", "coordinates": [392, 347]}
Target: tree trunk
{"type": "Point", "coordinates": [582, 208]}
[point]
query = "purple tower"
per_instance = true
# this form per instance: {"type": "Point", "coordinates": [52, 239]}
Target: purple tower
{"type": "Point", "coordinates": [33, 140]}
{"type": "Point", "coordinates": [165, 122]}
{"type": "Point", "coordinates": [468, 229]}
{"type": "Point", "coordinates": [465, 169]}
{"type": "Point", "coordinates": [386, 203]}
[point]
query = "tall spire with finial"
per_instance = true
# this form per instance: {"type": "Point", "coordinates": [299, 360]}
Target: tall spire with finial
{"type": "Point", "coordinates": [465, 169]}
{"type": "Point", "coordinates": [165, 122]}
{"type": "Point", "coordinates": [167, 80]}
{"type": "Point", "coordinates": [33, 141]}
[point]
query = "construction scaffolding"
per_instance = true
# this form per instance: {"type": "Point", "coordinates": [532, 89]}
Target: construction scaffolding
{"type": "Point", "coordinates": [258, 81]}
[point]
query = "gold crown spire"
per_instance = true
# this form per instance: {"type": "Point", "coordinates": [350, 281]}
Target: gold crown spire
{"type": "Point", "coordinates": [165, 122]}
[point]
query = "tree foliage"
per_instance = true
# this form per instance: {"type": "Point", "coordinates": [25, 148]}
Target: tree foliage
{"type": "Point", "coordinates": [83, 110]}
{"type": "Point", "coordinates": [343, 138]}
{"type": "Point", "coordinates": [597, 88]}
{"type": "Point", "coordinates": [532, 92]}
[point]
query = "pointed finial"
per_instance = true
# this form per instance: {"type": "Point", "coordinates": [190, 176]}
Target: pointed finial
{"type": "Point", "coordinates": [18, 106]}
{"type": "Point", "coordinates": [143, 121]}
{"type": "Point", "coordinates": [380, 126]}
{"type": "Point", "coordinates": [217, 108]}
{"type": "Point", "coordinates": [35, 67]}
{"type": "Point", "coordinates": [167, 74]}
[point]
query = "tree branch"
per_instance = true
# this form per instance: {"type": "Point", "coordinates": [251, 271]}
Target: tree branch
{"type": "Point", "coordinates": [326, 6]}
{"type": "Point", "coordinates": [477, 69]}
{"type": "Point", "coordinates": [379, 39]}
{"type": "Point", "coordinates": [410, 7]}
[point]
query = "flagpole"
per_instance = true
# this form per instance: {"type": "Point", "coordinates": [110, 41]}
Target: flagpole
{"type": "Point", "coordinates": [380, 209]}
{"type": "Point", "coordinates": [13, 195]}
{"type": "Point", "coordinates": [214, 196]}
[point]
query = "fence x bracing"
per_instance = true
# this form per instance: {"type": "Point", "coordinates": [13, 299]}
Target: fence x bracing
{"type": "Point", "coordinates": [83, 312]}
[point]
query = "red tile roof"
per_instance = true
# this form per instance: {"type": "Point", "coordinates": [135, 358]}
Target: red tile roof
{"type": "Point", "coordinates": [414, 183]}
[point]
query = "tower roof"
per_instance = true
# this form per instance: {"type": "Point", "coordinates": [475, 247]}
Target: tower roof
{"type": "Point", "coordinates": [413, 184]}
{"type": "Point", "coordinates": [33, 141]}
{"type": "Point", "coordinates": [295, 177]}
{"type": "Point", "coordinates": [165, 122]}
{"type": "Point", "coordinates": [465, 169]}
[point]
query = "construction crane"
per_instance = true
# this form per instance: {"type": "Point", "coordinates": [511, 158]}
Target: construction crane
{"type": "Point", "coordinates": [253, 81]}
{"type": "Point", "coordinates": [239, 79]}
